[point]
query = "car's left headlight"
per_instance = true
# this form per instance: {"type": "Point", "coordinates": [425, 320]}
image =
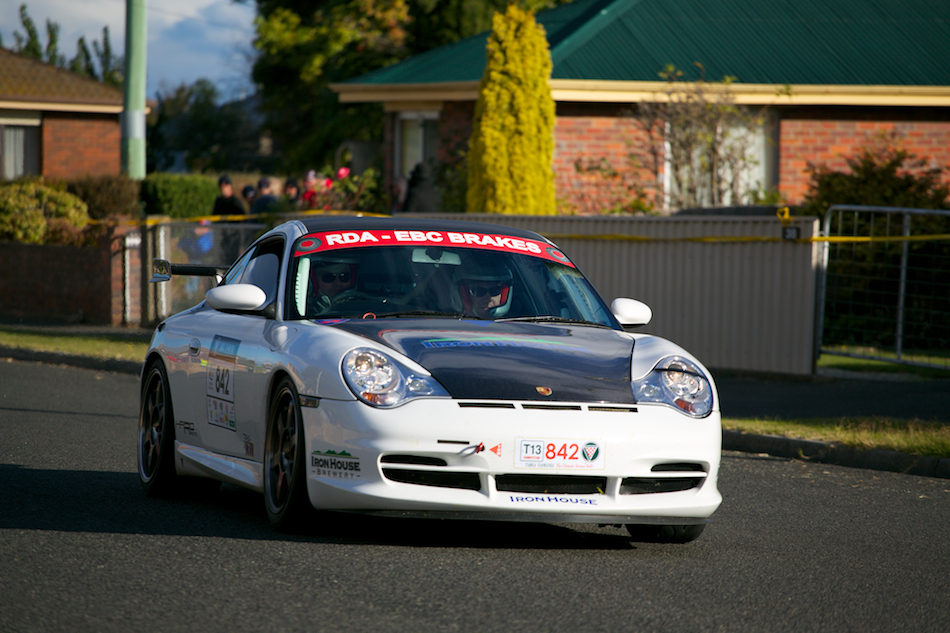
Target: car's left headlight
{"type": "Point", "coordinates": [382, 381]}
{"type": "Point", "coordinates": [679, 383]}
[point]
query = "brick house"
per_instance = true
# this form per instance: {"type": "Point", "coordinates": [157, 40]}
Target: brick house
{"type": "Point", "coordinates": [56, 123]}
{"type": "Point", "coordinates": [834, 75]}
{"type": "Point", "coordinates": [61, 125]}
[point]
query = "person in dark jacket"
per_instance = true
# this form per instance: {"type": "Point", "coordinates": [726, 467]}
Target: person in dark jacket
{"type": "Point", "coordinates": [249, 193]}
{"type": "Point", "coordinates": [227, 203]}
{"type": "Point", "coordinates": [265, 200]}
{"type": "Point", "coordinates": [422, 196]}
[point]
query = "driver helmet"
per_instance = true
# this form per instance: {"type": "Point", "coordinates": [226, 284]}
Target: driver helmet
{"type": "Point", "coordinates": [484, 277]}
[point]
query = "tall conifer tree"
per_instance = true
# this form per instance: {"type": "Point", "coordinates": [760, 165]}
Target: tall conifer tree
{"type": "Point", "coordinates": [511, 150]}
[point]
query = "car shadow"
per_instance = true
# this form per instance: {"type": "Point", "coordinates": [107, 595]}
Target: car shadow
{"type": "Point", "coordinates": [114, 502]}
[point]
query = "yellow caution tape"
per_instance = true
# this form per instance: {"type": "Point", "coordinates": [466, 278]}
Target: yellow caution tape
{"type": "Point", "coordinates": [751, 238]}
{"type": "Point", "coordinates": [157, 221]}
{"type": "Point", "coordinates": [783, 216]}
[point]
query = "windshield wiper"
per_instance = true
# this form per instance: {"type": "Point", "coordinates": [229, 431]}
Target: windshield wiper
{"type": "Point", "coordinates": [552, 319]}
{"type": "Point", "coordinates": [420, 313]}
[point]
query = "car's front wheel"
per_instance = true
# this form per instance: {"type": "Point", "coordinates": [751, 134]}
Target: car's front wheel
{"type": "Point", "coordinates": [665, 533]}
{"type": "Point", "coordinates": [156, 443]}
{"type": "Point", "coordinates": [285, 466]}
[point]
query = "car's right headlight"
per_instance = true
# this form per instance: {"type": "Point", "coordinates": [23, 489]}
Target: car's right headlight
{"type": "Point", "coordinates": [678, 383]}
{"type": "Point", "coordinates": [382, 381]}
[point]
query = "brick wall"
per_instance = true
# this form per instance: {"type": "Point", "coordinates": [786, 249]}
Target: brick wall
{"type": "Point", "coordinates": [65, 284]}
{"type": "Point", "coordinates": [77, 144]}
{"type": "Point", "coordinates": [817, 135]}
{"type": "Point", "coordinates": [593, 133]}
{"type": "Point", "coordinates": [827, 137]}
{"type": "Point", "coordinates": [582, 131]}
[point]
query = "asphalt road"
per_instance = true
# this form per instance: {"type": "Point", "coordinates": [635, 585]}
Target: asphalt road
{"type": "Point", "coordinates": [796, 546]}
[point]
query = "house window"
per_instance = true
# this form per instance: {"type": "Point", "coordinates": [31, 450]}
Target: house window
{"type": "Point", "coordinates": [19, 143]}
{"type": "Point", "coordinates": [751, 179]}
{"type": "Point", "coordinates": [417, 141]}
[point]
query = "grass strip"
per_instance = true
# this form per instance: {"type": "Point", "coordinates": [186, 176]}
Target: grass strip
{"type": "Point", "coordinates": [108, 347]}
{"type": "Point", "coordinates": [914, 437]}
{"type": "Point", "coordinates": [849, 363]}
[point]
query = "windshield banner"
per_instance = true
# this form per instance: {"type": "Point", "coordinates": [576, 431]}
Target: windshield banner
{"type": "Point", "coordinates": [334, 240]}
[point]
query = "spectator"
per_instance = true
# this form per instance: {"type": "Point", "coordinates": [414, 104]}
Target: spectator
{"type": "Point", "coordinates": [249, 193]}
{"type": "Point", "coordinates": [399, 193]}
{"type": "Point", "coordinates": [292, 193]}
{"type": "Point", "coordinates": [227, 203]}
{"type": "Point", "coordinates": [265, 200]}
{"type": "Point", "coordinates": [421, 195]}
{"type": "Point", "coordinates": [197, 247]}
{"type": "Point", "coordinates": [309, 198]}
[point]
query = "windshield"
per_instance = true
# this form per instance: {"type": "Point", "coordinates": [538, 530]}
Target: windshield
{"type": "Point", "coordinates": [456, 275]}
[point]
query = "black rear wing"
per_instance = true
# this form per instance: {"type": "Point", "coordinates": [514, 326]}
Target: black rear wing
{"type": "Point", "coordinates": [162, 270]}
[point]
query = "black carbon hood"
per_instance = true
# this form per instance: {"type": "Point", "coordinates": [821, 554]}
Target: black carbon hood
{"type": "Point", "coordinates": [511, 361]}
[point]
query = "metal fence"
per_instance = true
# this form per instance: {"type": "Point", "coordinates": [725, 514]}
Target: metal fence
{"type": "Point", "coordinates": [217, 243]}
{"type": "Point", "coordinates": [885, 292]}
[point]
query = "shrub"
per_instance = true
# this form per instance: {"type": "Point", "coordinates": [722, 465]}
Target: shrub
{"type": "Point", "coordinates": [879, 177]}
{"type": "Point", "coordinates": [178, 195]}
{"type": "Point", "coordinates": [29, 209]}
{"type": "Point", "coordinates": [20, 219]}
{"type": "Point", "coordinates": [510, 160]}
{"type": "Point", "coordinates": [342, 190]}
{"type": "Point", "coordinates": [108, 196]}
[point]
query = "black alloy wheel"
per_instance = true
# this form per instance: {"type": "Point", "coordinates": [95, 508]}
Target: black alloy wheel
{"type": "Point", "coordinates": [285, 466]}
{"type": "Point", "coordinates": [156, 442]}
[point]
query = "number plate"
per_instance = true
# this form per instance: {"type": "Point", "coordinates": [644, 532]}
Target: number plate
{"type": "Point", "coordinates": [559, 454]}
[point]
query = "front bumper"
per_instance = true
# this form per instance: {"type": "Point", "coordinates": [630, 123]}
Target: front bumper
{"type": "Point", "coordinates": [447, 458]}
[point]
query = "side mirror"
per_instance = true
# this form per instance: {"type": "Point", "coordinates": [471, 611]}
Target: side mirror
{"type": "Point", "coordinates": [236, 297]}
{"type": "Point", "coordinates": [631, 313]}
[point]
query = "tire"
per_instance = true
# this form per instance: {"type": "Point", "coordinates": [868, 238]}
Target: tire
{"type": "Point", "coordinates": [156, 441]}
{"type": "Point", "coordinates": [665, 533]}
{"type": "Point", "coordinates": [285, 465]}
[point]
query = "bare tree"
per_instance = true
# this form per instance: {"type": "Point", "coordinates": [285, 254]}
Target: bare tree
{"type": "Point", "coordinates": [696, 132]}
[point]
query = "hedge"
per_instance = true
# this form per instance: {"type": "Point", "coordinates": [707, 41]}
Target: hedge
{"type": "Point", "coordinates": [108, 196]}
{"type": "Point", "coordinates": [179, 195]}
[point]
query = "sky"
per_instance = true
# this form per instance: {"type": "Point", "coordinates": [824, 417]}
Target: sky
{"type": "Point", "coordinates": [187, 39]}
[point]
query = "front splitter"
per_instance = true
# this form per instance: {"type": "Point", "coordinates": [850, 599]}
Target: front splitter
{"type": "Point", "coordinates": [530, 517]}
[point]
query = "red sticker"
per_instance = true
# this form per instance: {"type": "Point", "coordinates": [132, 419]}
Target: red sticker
{"type": "Point", "coordinates": [333, 240]}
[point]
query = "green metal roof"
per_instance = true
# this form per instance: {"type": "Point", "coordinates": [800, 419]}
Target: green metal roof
{"type": "Point", "coordinates": [834, 42]}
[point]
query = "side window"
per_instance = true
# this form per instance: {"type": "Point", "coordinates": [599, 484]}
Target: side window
{"type": "Point", "coordinates": [233, 275]}
{"type": "Point", "coordinates": [262, 272]}
{"type": "Point", "coordinates": [259, 266]}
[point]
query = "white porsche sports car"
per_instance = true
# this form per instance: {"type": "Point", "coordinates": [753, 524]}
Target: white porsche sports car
{"type": "Point", "coordinates": [423, 367]}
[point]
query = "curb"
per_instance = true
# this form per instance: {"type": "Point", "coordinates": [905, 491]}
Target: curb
{"type": "Point", "coordinates": [876, 459]}
{"type": "Point", "coordinates": [820, 452]}
{"type": "Point", "coordinates": [73, 360]}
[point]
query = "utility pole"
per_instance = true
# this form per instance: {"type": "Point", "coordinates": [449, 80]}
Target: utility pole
{"type": "Point", "coordinates": [133, 113]}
